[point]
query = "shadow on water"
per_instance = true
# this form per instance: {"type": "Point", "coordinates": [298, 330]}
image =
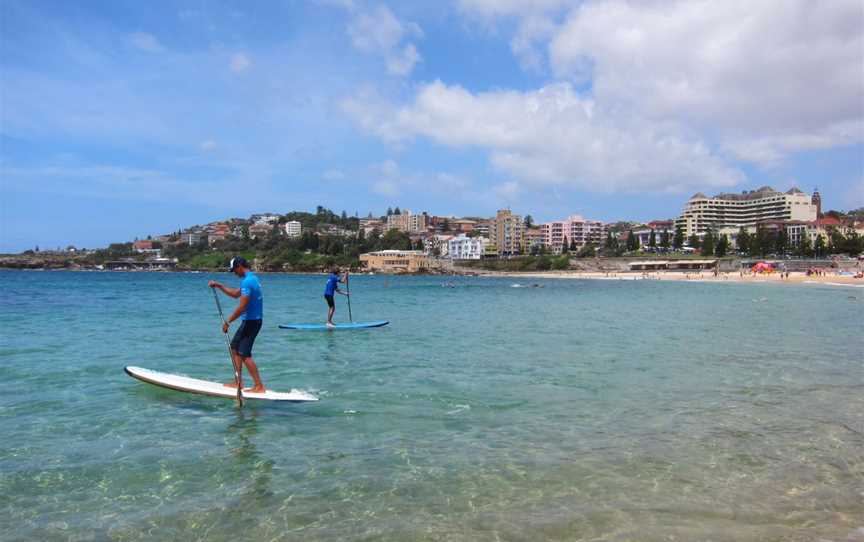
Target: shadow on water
{"type": "Point", "coordinates": [242, 434]}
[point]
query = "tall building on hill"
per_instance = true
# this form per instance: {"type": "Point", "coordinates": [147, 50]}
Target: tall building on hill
{"type": "Point", "coordinates": [746, 209]}
{"type": "Point", "coordinates": [817, 201]}
{"type": "Point", "coordinates": [507, 233]}
{"type": "Point", "coordinates": [407, 222]}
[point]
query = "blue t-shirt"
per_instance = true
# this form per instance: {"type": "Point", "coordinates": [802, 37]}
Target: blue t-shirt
{"type": "Point", "coordinates": [332, 284]}
{"type": "Point", "coordinates": [251, 288]}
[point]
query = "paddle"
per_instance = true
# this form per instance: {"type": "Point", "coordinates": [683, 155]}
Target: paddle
{"type": "Point", "coordinates": [348, 288]}
{"type": "Point", "coordinates": [230, 355]}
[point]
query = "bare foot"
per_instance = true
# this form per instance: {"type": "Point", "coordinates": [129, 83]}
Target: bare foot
{"type": "Point", "coordinates": [230, 384]}
{"type": "Point", "coordinates": [256, 389]}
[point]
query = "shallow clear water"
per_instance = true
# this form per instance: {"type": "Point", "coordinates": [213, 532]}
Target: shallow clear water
{"type": "Point", "coordinates": [583, 410]}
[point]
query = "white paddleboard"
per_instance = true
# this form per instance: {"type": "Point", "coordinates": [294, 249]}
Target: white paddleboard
{"type": "Point", "coordinates": [213, 389]}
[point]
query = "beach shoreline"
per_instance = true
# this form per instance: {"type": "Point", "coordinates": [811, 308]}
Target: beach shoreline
{"type": "Point", "coordinates": [794, 278]}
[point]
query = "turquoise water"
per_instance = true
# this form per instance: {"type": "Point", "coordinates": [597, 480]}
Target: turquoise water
{"type": "Point", "coordinates": [584, 410]}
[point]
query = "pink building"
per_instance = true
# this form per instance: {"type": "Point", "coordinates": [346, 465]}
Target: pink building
{"type": "Point", "coordinates": [575, 229]}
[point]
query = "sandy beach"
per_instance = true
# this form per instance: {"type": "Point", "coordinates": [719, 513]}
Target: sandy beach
{"type": "Point", "coordinates": [829, 278]}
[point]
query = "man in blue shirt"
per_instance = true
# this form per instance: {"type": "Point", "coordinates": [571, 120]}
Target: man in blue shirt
{"type": "Point", "coordinates": [331, 288]}
{"type": "Point", "coordinates": [250, 311]}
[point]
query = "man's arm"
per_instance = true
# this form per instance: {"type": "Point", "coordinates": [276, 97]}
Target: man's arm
{"type": "Point", "coordinates": [231, 292]}
{"type": "Point", "coordinates": [241, 308]}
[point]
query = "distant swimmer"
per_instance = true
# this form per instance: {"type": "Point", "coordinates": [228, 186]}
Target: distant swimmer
{"type": "Point", "coordinates": [330, 289]}
{"type": "Point", "coordinates": [250, 311]}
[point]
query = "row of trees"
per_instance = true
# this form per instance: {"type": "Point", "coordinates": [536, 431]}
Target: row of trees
{"type": "Point", "coordinates": [758, 244]}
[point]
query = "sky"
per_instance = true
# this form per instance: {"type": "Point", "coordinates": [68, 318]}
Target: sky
{"type": "Point", "coordinates": [121, 119]}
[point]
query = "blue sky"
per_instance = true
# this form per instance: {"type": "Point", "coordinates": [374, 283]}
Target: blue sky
{"type": "Point", "coordinates": [123, 119]}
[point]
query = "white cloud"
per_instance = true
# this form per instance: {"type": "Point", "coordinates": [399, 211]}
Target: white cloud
{"type": "Point", "coordinates": [146, 42]}
{"type": "Point", "coordinates": [507, 191]}
{"type": "Point", "coordinates": [550, 136]}
{"type": "Point", "coordinates": [378, 31]}
{"type": "Point", "coordinates": [240, 62]}
{"type": "Point", "coordinates": [208, 146]}
{"type": "Point", "coordinates": [333, 175]}
{"type": "Point", "coordinates": [536, 22]}
{"type": "Point", "coordinates": [762, 78]}
{"type": "Point", "coordinates": [501, 8]}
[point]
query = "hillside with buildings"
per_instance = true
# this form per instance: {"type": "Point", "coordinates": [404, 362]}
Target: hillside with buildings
{"type": "Point", "coordinates": [756, 223]}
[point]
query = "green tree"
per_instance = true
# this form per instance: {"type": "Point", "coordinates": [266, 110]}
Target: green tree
{"type": "Point", "coordinates": [389, 211]}
{"type": "Point", "coordinates": [819, 247]}
{"type": "Point", "coordinates": [678, 240]}
{"type": "Point", "coordinates": [708, 243]}
{"type": "Point", "coordinates": [587, 251]}
{"type": "Point", "coordinates": [652, 239]}
{"type": "Point", "coordinates": [664, 239]}
{"type": "Point", "coordinates": [611, 242]}
{"type": "Point", "coordinates": [529, 221]}
{"type": "Point", "coordinates": [693, 241]}
{"type": "Point", "coordinates": [805, 247]}
{"type": "Point", "coordinates": [573, 246]}
{"type": "Point", "coordinates": [763, 243]}
{"type": "Point", "coordinates": [854, 243]}
{"type": "Point", "coordinates": [837, 242]}
{"type": "Point", "coordinates": [743, 241]}
{"type": "Point", "coordinates": [632, 242]}
{"type": "Point", "coordinates": [396, 211]}
{"type": "Point", "coordinates": [781, 242]}
{"type": "Point", "coordinates": [561, 263]}
{"type": "Point", "coordinates": [565, 246]}
{"type": "Point", "coordinates": [722, 246]}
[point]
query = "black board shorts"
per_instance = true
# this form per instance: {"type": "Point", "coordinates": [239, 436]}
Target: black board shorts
{"type": "Point", "coordinates": [329, 299]}
{"type": "Point", "coordinates": [244, 338]}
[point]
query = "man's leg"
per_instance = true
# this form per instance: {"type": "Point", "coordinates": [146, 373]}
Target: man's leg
{"type": "Point", "coordinates": [253, 370]}
{"type": "Point", "coordinates": [237, 360]}
{"type": "Point", "coordinates": [330, 312]}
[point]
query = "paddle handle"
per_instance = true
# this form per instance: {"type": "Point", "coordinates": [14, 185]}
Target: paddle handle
{"type": "Point", "coordinates": [348, 288]}
{"type": "Point", "coordinates": [230, 354]}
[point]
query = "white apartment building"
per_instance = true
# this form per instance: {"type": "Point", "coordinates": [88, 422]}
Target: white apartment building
{"type": "Point", "coordinates": [574, 228]}
{"type": "Point", "coordinates": [702, 213]}
{"type": "Point", "coordinates": [437, 245]}
{"type": "Point", "coordinates": [265, 219]}
{"type": "Point", "coordinates": [407, 222]}
{"type": "Point", "coordinates": [463, 247]}
{"type": "Point", "coordinates": [293, 228]}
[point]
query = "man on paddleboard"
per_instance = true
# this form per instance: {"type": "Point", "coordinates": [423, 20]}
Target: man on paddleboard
{"type": "Point", "coordinates": [250, 311]}
{"type": "Point", "coordinates": [331, 288]}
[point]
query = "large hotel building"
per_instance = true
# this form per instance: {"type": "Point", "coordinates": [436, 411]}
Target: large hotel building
{"type": "Point", "coordinates": [734, 211]}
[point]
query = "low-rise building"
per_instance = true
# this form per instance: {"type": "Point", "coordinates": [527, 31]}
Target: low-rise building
{"type": "Point", "coordinates": [436, 245]}
{"type": "Point", "coordinates": [265, 219]}
{"type": "Point", "coordinates": [369, 225]}
{"type": "Point", "coordinates": [574, 230]}
{"type": "Point", "coordinates": [407, 222]}
{"type": "Point", "coordinates": [396, 261]}
{"type": "Point", "coordinates": [143, 246]}
{"type": "Point", "coordinates": [259, 230]}
{"type": "Point", "coordinates": [193, 237]}
{"type": "Point", "coordinates": [463, 247]}
{"type": "Point", "coordinates": [293, 228]}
